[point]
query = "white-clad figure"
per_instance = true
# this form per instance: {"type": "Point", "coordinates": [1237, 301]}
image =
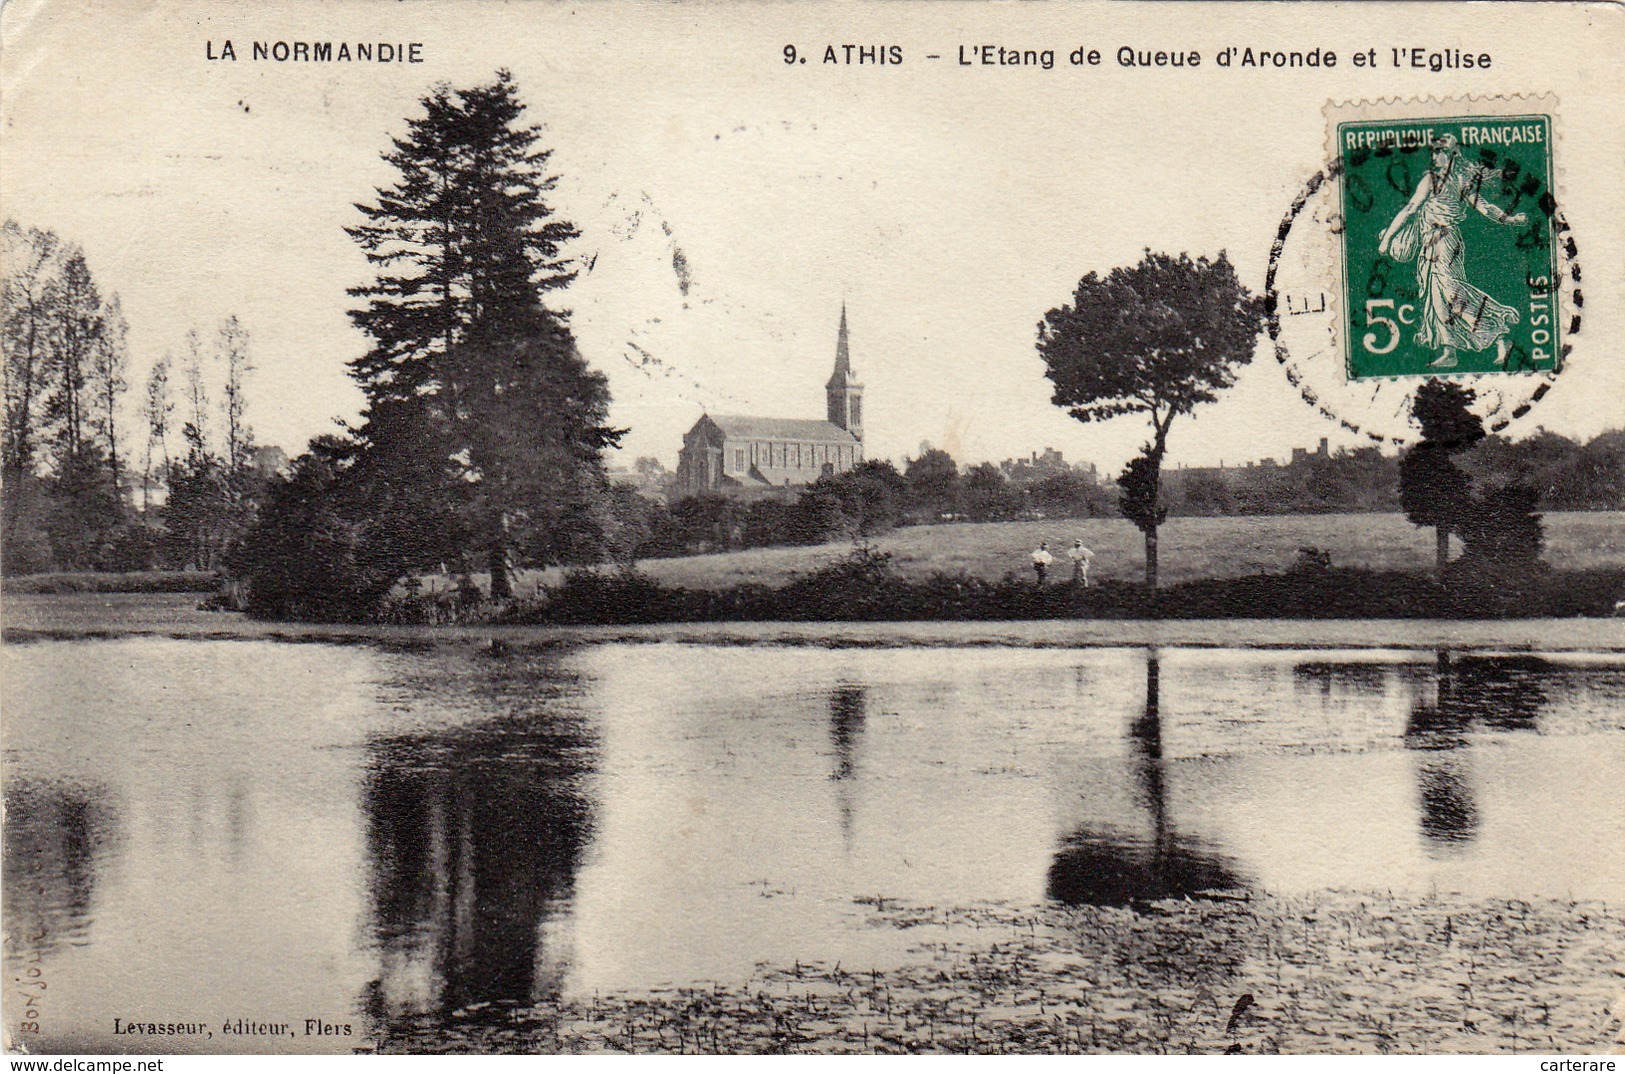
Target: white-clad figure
{"type": "Point", "coordinates": [1041, 561]}
{"type": "Point", "coordinates": [1080, 557]}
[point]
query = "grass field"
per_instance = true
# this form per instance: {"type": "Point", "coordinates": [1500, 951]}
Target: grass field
{"type": "Point", "coordinates": [114, 582]}
{"type": "Point", "coordinates": [1190, 548]}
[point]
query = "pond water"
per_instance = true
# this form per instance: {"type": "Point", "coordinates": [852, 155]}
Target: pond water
{"type": "Point", "coordinates": [257, 833]}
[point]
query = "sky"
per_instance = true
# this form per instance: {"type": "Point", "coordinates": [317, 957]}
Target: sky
{"type": "Point", "coordinates": [948, 207]}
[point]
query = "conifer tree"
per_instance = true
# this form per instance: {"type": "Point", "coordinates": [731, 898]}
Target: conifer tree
{"type": "Point", "coordinates": [476, 392]}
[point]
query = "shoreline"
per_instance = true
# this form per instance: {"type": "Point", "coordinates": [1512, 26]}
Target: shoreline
{"type": "Point", "coordinates": [1332, 972]}
{"type": "Point", "coordinates": [73, 617]}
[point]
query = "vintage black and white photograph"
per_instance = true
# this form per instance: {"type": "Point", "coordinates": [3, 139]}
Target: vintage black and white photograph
{"type": "Point", "coordinates": [826, 528]}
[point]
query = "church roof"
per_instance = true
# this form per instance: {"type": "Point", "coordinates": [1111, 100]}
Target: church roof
{"type": "Point", "coordinates": [741, 427]}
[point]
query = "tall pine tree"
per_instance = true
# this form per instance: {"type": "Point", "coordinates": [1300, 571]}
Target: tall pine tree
{"type": "Point", "coordinates": [482, 416]}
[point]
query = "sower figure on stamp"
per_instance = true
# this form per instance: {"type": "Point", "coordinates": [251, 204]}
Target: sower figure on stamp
{"type": "Point", "coordinates": [1041, 561]}
{"type": "Point", "coordinates": [1454, 314]}
{"type": "Point", "coordinates": [1080, 557]}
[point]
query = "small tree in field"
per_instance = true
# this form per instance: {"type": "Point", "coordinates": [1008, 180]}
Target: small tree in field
{"type": "Point", "coordinates": [933, 483]}
{"type": "Point", "coordinates": [1504, 529]}
{"type": "Point", "coordinates": [1157, 339]}
{"type": "Point", "coordinates": [1433, 490]}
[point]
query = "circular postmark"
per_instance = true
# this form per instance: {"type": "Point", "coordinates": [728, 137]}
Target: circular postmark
{"type": "Point", "coordinates": [1427, 247]}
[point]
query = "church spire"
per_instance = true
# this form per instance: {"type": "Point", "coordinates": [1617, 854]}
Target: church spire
{"type": "Point", "coordinates": [843, 392]}
{"type": "Point", "coordinates": [843, 358]}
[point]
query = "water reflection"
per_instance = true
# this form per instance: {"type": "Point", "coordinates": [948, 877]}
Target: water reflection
{"type": "Point", "coordinates": [1113, 868]}
{"type": "Point", "coordinates": [1327, 678]}
{"type": "Point", "coordinates": [1449, 813]}
{"type": "Point", "coordinates": [417, 832]}
{"type": "Point", "coordinates": [848, 708]}
{"type": "Point", "coordinates": [1499, 693]}
{"type": "Point", "coordinates": [56, 836]}
{"type": "Point", "coordinates": [474, 840]}
{"type": "Point", "coordinates": [1506, 693]}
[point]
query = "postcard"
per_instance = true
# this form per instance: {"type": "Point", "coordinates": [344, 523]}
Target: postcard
{"type": "Point", "coordinates": [840, 528]}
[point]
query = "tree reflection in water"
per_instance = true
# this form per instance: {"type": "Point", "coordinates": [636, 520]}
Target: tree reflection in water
{"type": "Point", "coordinates": [1501, 693]}
{"type": "Point", "coordinates": [474, 836]}
{"type": "Point", "coordinates": [848, 709]}
{"type": "Point", "coordinates": [1110, 868]}
{"type": "Point", "coordinates": [56, 836]}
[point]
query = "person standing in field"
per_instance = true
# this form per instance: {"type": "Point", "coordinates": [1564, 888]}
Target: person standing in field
{"type": "Point", "coordinates": [1041, 561]}
{"type": "Point", "coordinates": [1080, 557]}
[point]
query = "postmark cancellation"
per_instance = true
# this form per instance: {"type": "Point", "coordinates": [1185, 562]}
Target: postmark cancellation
{"type": "Point", "coordinates": [1431, 244]}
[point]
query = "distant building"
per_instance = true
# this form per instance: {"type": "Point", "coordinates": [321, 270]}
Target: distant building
{"type": "Point", "coordinates": [1300, 454]}
{"type": "Point", "coordinates": [738, 455]}
{"type": "Point", "coordinates": [1038, 466]}
{"type": "Point", "coordinates": [1222, 472]}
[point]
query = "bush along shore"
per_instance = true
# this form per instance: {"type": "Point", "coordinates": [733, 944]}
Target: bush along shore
{"type": "Point", "coordinates": [864, 587]}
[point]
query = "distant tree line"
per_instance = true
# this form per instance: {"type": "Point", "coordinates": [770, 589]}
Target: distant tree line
{"type": "Point", "coordinates": [1565, 475]}
{"type": "Point", "coordinates": [870, 499]}
{"type": "Point", "coordinates": [71, 471]}
{"type": "Point", "coordinates": [875, 497]}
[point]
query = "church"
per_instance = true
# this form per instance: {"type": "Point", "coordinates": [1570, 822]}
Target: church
{"type": "Point", "coordinates": [735, 455]}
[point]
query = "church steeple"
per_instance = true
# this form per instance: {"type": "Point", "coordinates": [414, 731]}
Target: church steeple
{"type": "Point", "coordinates": [843, 357]}
{"type": "Point", "coordinates": [844, 393]}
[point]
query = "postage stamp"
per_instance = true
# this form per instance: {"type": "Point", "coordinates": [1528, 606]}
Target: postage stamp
{"type": "Point", "coordinates": [1447, 245]}
{"type": "Point", "coordinates": [1432, 243]}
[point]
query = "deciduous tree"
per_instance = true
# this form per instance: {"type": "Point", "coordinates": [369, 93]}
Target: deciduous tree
{"type": "Point", "coordinates": [156, 409]}
{"type": "Point", "coordinates": [109, 364]}
{"type": "Point", "coordinates": [871, 495]}
{"type": "Point", "coordinates": [1433, 490]}
{"type": "Point", "coordinates": [78, 336]}
{"type": "Point", "coordinates": [195, 385]}
{"type": "Point", "coordinates": [933, 483]}
{"type": "Point", "coordinates": [28, 326]}
{"type": "Point", "coordinates": [28, 299]}
{"type": "Point", "coordinates": [231, 349]}
{"type": "Point", "coordinates": [65, 360]}
{"type": "Point", "coordinates": [1158, 339]}
{"type": "Point", "coordinates": [986, 494]}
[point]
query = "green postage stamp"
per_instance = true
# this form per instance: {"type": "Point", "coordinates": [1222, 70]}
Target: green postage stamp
{"type": "Point", "coordinates": [1432, 243]}
{"type": "Point", "coordinates": [1449, 251]}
